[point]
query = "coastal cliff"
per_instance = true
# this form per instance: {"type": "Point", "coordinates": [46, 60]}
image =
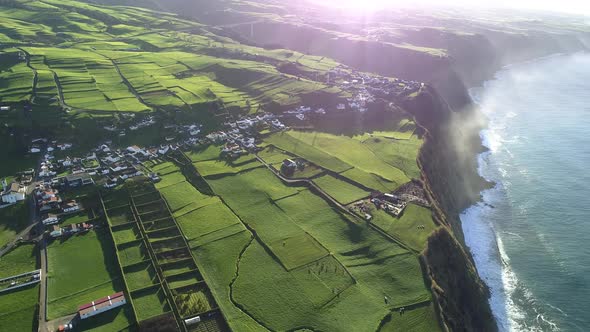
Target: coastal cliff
{"type": "Point", "coordinates": [451, 182]}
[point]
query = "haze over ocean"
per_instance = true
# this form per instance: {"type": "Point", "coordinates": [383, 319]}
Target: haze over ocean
{"type": "Point", "coordinates": [538, 215]}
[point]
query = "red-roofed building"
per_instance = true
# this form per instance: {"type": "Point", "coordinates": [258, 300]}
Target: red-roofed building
{"type": "Point", "coordinates": [101, 305]}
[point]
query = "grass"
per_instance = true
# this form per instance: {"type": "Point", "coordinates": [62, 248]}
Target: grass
{"type": "Point", "coordinates": [170, 179]}
{"type": "Point", "coordinates": [184, 279]}
{"type": "Point", "coordinates": [352, 152]}
{"type": "Point", "coordinates": [75, 219]}
{"type": "Point", "coordinates": [211, 152]}
{"type": "Point", "coordinates": [178, 267]}
{"type": "Point", "coordinates": [406, 227]}
{"type": "Point", "coordinates": [401, 154]}
{"type": "Point", "coordinates": [149, 302]}
{"type": "Point", "coordinates": [193, 300]}
{"type": "Point", "coordinates": [118, 319]}
{"type": "Point", "coordinates": [19, 260]}
{"type": "Point", "coordinates": [132, 253]}
{"type": "Point", "coordinates": [217, 167]}
{"type": "Point", "coordinates": [126, 233]}
{"type": "Point", "coordinates": [81, 269]}
{"type": "Point", "coordinates": [289, 143]}
{"type": "Point", "coordinates": [206, 220]}
{"type": "Point", "coordinates": [298, 250]}
{"type": "Point", "coordinates": [181, 195]}
{"type": "Point", "coordinates": [218, 261]}
{"type": "Point", "coordinates": [342, 191]}
{"type": "Point", "coordinates": [140, 275]}
{"type": "Point", "coordinates": [13, 220]}
{"type": "Point", "coordinates": [18, 309]}
{"type": "Point", "coordinates": [420, 319]}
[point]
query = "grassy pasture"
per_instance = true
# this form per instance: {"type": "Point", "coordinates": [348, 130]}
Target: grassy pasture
{"type": "Point", "coordinates": [217, 260]}
{"type": "Point", "coordinates": [179, 267]}
{"type": "Point", "coordinates": [181, 194]}
{"type": "Point", "coordinates": [184, 279]}
{"type": "Point", "coordinates": [13, 220]}
{"type": "Point", "coordinates": [420, 319]}
{"type": "Point", "coordinates": [170, 179]}
{"type": "Point", "coordinates": [16, 84]}
{"type": "Point", "coordinates": [287, 142]}
{"type": "Point", "coordinates": [352, 152]}
{"type": "Point", "coordinates": [149, 302]}
{"type": "Point", "coordinates": [18, 309]}
{"type": "Point", "coordinates": [406, 227]}
{"type": "Point", "coordinates": [132, 253]}
{"type": "Point", "coordinates": [126, 233]}
{"type": "Point", "coordinates": [118, 319]}
{"type": "Point", "coordinates": [298, 250]}
{"type": "Point", "coordinates": [211, 152]}
{"type": "Point", "coordinates": [398, 153]}
{"type": "Point", "coordinates": [120, 215]}
{"type": "Point", "coordinates": [273, 156]}
{"type": "Point", "coordinates": [81, 269]}
{"type": "Point", "coordinates": [370, 180]}
{"type": "Point", "coordinates": [206, 220]}
{"type": "Point", "coordinates": [75, 218]}
{"type": "Point", "coordinates": [140, 275]}
{"type": "Point", "coordinates": [217, 167]}
{"type": "Point", "coordinates": [163, 234]}
{"type": "Point", "coordinates": [344, 192]}
{"type": "Point", "coordinates": [19, 260]}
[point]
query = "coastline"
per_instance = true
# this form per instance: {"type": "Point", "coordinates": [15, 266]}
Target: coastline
{"type": "Point", "coordinates": [482, 240]}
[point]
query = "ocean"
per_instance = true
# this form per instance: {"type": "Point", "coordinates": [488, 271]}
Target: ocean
{"type": "Point", "coordinates": [530, 235]}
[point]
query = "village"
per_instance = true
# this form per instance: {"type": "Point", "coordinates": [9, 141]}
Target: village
{"type": "Point", "coordinates": [53, 186]}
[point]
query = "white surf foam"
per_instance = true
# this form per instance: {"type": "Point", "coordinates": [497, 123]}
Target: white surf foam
{"type": "Point", "coordinates": [486, 244]}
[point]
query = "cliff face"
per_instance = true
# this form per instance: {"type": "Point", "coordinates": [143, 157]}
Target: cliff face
{"type": "Point", "coordinates": [452, 184]}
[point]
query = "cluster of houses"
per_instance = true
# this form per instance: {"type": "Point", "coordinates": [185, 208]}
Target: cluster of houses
{"type": "Point", "coordinates": [239, 136]}
{"type": "Point", "coordinates": [49, 202]}
{"type": "Point", "coordinates": [38, 144]}
{"type": "Point", "coordinates": [57, 231]}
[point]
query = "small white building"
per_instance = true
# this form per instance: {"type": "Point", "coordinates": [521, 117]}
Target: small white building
{"type": "Point", "coordinates": [51, 219]}
{"type": "Point", "coordinates": [101, 305]}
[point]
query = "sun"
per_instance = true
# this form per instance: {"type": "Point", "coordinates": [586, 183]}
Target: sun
{"type": "Point", "coordinates": [363, 5]}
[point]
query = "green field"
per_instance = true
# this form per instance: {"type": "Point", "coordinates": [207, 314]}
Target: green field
{"type": "Point", "coordinates": [181, 194]}
{"type": "Point", "coordinates": [131, 253]}
{"type": "Point", "coordinates": [81, 269]}
{"type": "Point", "coordinates": [420, 319]}
{"type": "Point", "coordinates": [19, 260]}
{"type": "Point", "coordinates": [406, 228]}
{"type": "Point", "coordinates": [13, 220]}
{"type": "Point", "coordinates": [342, 191]}
{"type": "Point", "coordinates": [302, 240]}
{"type": "Point", "coordinates": [19, 308]}
{"type": "Point", "coordinates": [207, 219]}
{"type": "Point", "coordinates": [149, 302]}
{"type": "Point", "coordinates": [117, 319]}
{"type": "Point", "coordinates": [140, 275]}
{"type": "Point", "coordinates": [354, 153]}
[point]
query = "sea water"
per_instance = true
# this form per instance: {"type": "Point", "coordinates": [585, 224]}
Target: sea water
{"type": "Point", "coordinates": [530, 236]}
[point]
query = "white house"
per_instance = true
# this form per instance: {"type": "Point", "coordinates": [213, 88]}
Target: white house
{"type": "Point", "coordinates": [71, 206]}
{"type": "Point", "coordinates": [13, 193]}
{"type": "Point", "coordinates": [51, 219]}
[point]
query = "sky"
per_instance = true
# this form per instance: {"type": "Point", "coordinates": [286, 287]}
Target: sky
{"type": "Point", "coordinates": [564, 6]}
